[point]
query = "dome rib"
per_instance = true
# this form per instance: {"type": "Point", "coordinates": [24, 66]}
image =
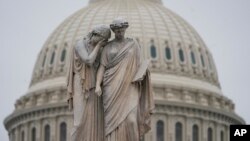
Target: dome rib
{"type": "Point", "coordinates": [164, 21]}
{"type": "Point", "coordinates": [82, 16]}
{"type": "Point", "coordinates": [106, 13]}
{"type": "Point", "coordinates": [60, 43]}
{"type": "Point", "coordinates": [155, 29]}
{"type": "Point", "coordinates": [56, 41]}
{"type": "Point", "coordinates": [128, 7]}
{"type": "Point", "coordinates": [61, 28]}
{"type": "Point", "coordinates": [117, 8]}
{"type": "Point", "coordinates": [157, 8]}
{"type": "Point", "coordinates": [142, 25]}
{"type": "Point", "coordinates": [184, 42]}
{"type": "Point", "coordinates": [97, 10]}
{"type": "Point", "coordinates": [69, 27]}
{"type": "Point", "coordinates": [194, 38]}
{"type": "Point", "coordinates": [176, 42]}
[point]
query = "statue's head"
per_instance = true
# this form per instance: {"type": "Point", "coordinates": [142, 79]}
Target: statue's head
{"type": "Point", "coordinates": [99, 33]}
{"type": "Point", "coordinates": [119, 27]}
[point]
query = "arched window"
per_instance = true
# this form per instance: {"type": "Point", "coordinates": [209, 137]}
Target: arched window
{"type": "Point", "coordinates": [192, 57]}
{"type": "Point", "coordinates": [209, 61]}
{"type": "Point", "coordinates": [52, 57]}
{"type": "Point", "coordinates": [22, 136]}
{"type": "Point", "coordinates": [221, 136]}
{"type": "Point", "coordinates": [47, 133]}
{"type": "Point", "coordinates": [153, 51]}
{"type": "Point", "coordinates": [202, 61]}
{"type": "Point", "coordinates": [63, 55]}
{"type": "Point", "coordinates": [178, 131]}
{"type": "Point", "coordinates": [168, 53]}
{"type": "Point", "coordinates": [44, 60]}
{"type": "Point", "coordinates": [209, 134]}
{"type": "Point", "coordinates": [33, 134]}
{"type": "Point", "coordinates": [181, 55]}
{"type": "Point", "coordinates": [63, 131]}
{"type": "Point", "coordinates": [195, 133]}
{"type": "Point", "coordinates": [160, 130]}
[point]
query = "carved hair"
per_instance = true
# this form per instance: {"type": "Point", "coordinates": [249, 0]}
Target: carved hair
{"type": "Point", "coordinates": [101, 30]}
{"type": "Point", "coordinates": [119, 23]}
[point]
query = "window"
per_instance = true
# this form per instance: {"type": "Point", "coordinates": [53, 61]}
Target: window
{"type": "Point", "coordinates": [153, 51]}
{"type": "Point", "coordinates": [181, 55]}
{"type": "Point", "coordinates": [47, 133]}
{"type": "Point", "coordinates": [168, 53]}
{"type": "Point", "coordinates": [63, 131]}
{"type": "Point", "coordinates": [195, 133]}
{"type": "Point", "coordinates": [209, 134]}
{"type": "Point", "coordinates": [160, 130]}
{"type": "Point", "coordinates": [63, 55]}
{"type": "Point", "coordinates": [209, 61]}
{"type": "Point", "coordinates": [52, 58]}
{"type": "Point", "coordinates": [33, 134]}
{"type": "Point", "coordinates": [44, 60]}
{"type": "Point", "coordinates": [221, 136]}
{"type": "Point", "coordinates": [22, 136]}
{"type": "Point", "coordinates": [202, 61]}
{"type": "Point", "coordinates": [178, 131]}
{"type": "Point", "coordinates": [192, 57]}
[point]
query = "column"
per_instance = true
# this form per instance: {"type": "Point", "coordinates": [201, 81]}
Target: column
{"type": "Point", "coordinates": [53, 129]}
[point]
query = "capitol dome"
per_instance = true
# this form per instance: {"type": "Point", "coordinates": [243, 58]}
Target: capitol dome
{"type": "Point", "coordinates": [189, 101]}
{"type": "Point", "coordinates": [172, 44]}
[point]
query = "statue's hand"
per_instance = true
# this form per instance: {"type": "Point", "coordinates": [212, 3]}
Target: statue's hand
{"type": "Point", "coordinates": [98, 90]}
{"type": "Point", "coordinates": [102, 43]}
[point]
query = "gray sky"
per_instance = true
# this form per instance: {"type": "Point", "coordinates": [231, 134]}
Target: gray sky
{"type": "Point", "coordinates": [26, 24]}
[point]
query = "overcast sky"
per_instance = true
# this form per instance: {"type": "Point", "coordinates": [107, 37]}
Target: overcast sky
{"type": "Point", "coordinates": [26, 24]}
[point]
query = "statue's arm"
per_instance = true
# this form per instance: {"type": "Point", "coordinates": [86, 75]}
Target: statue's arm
{"type": "Point", "coordinates": [88, 59]}
{"type": "Point", "coordinates": [99, 78]}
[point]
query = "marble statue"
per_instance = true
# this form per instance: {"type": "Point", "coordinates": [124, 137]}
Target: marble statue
{"type": "Point", "coordinates": [123, 81]}
{"type": "Point", "coordinates": [86, 105]}
{"type": "Point", "coordinates": [109, 88]}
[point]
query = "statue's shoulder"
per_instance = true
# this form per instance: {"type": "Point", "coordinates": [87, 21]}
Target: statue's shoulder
{"type": "Point", "coordinates": [133, 40]}
{"type": "Point", "coordinates": [130, 39]}
{"type": "Point", "coordinates": [110, 43]}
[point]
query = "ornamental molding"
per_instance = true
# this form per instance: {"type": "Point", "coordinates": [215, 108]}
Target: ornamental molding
{"type": "Point", "coordinates": [37, 113]}
{"type": "Point", "coordinates": [200, 112]}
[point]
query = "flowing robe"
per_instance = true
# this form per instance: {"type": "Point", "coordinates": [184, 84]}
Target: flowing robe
{"type": "Point", "coordinates": [87, 106]}
{"type": "Point", "coordinates": [127, 104]}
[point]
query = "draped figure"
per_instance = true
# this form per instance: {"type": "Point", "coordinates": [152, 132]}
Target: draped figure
{"type": "Point", "coordinates": [86, 105]}
{"type": "Point", "coordinates": [127, 103]}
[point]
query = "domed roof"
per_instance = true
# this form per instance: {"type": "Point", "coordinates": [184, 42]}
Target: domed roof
{"type": "Point", "coordinates": [173, 45]}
